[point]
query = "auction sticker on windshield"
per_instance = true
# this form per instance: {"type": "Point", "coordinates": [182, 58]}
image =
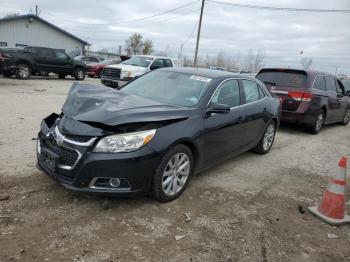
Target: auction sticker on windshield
{"type": "Point", "coordinates": [200, 78]}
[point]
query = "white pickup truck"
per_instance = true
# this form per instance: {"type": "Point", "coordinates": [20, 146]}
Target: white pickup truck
{"type": "Point", "coordinates": [136, 66]}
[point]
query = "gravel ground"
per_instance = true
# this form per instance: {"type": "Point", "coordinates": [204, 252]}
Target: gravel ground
{"type": "Point", "coordinates": [245, 209]}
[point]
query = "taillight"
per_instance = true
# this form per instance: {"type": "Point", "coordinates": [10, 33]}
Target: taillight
{"type": "Point", "coordinates": [2, 58]}
{"type": "Point", "coordinates": [300, 96]}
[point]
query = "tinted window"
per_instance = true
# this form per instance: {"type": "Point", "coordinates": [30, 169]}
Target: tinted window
{"type": "Point", "coordinates": [61, 55]}
{"type": "Point", "coordinates": [320, 83]}
{"type": "Point", "coordinates": [330, 84]}
{"type": "Point", "coordinates": [228, 94]}
{"type": "Point", "coordinates": [158, 63]}
{"type": "Point", "coordinates": [46, 53]}
{"type": "Point", "coordinates": [251, 90]}
{"type": "Point", "coordinates": [169, 87]}
{"type": "Point", "coordinates": [281, 78]}
{"type": "Point", "coordinates": [346, 83]}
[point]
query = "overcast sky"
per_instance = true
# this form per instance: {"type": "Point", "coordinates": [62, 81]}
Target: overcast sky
{"type": "Point", "coordinates": [325, 37]}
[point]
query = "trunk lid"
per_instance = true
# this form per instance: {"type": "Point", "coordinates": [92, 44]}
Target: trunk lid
{"type": "Point", "coordinates": [288, 84]}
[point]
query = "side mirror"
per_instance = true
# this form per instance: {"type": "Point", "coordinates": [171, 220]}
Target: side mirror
{"type": "Point", "coordinates": [347, 93]}
{"type": "Point", "coordinates": [215, 108]}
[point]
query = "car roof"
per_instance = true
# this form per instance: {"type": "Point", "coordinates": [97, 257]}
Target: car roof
{"type": "Point", "coordinates": [307, 71]}
{"type": "Point", "coordinates": [154, 56]}
{"type": "Point", "coordinates": [204, 72]}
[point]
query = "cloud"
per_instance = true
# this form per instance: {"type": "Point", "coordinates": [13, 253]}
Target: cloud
{"type": "Point", "coordinates": [282, 35]}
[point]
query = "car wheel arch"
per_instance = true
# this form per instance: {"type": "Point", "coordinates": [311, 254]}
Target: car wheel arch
{"type": "Point", "coordinates": [23, 62]}
{"type": "Point", "coordinates": [192, 146]}
{"type": "Point", "coordinates": [325, 111]}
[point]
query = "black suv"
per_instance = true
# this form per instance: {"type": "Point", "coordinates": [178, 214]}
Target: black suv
{"type": "Point", "coordinates": [308, 97]}
{"type": "Point", "coordinates": [40, 60]}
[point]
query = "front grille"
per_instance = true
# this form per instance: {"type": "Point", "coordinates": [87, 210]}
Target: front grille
{"type": "Point", "coordinates": [112, 72]}
{"type": "Point", "coordinates": [67, 157]}
{"type": "Point", "coordinates": [77, 138]}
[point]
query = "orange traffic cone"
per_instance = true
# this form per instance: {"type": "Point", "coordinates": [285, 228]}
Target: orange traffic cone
{"type": "Point", "coordinates": [332, 206]}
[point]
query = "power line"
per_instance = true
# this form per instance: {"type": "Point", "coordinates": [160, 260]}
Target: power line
{"type": "Point", "coordinates": [289, 9]}
{"type": "Point", "coordinates": [133, 20]}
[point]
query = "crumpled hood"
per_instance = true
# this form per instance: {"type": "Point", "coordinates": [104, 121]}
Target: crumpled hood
{"type": "Point", "coordinates": [99, 104]}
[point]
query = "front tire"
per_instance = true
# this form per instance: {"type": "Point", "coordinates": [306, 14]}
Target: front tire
{"type": "Point", "coordinates": [173, 174]}
{"type": "Point", "coordinates": [23, 71]}
{"type": "Point", "coordinates": [346, 119]}
{"type": "Point", "coordinates": [61, 76]}
{"type": "Point", "coordinates": [266, 142]}
{"type": "Point", "coordinates": [318, 124]}
{"type": "Point", "coordinates": [79, 74]}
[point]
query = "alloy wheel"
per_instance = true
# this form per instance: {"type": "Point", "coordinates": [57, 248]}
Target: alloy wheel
{"type": "Point", "coordinates": [319, 122]}
{"type": "Point", "coordinates": [176, 173]}
{"type": "Point", "coordinates": [347, 117]}
{"type": "Point", "coordinates": [23, 71]}
{"type": "Point", "coordinates": [268, 137]}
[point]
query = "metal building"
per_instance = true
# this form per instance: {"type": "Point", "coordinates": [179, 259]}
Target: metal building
{"type": "Point", "coordinates": [32, 30]}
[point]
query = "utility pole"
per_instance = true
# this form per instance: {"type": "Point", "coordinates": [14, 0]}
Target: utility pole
{"type": "Point", "coordinates": [198, 34]}
{"type": "Point", "coordinates": [36, 10]}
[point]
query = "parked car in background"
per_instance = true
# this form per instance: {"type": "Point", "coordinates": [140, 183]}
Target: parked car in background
{"type": "Point", "coordinates": [155, 132]}
{"type": "Point", "coordinates": [308, 97]}
{"type": "Point", "coordinates": [88, 59]}
{"type": "Point", "coordinates": [40, 60]}
{"type": "Point", "coordinates": [95, 69]}
{"type": "Point", "coordinates": [132, 68]}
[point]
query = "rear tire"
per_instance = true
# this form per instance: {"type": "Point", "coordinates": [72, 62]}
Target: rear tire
{"type": "Point", "coordinates": [79, 74]}
{"type": "Point", "coordinates": [346, 119]}
{"type": "Point", "coordinates": [173, 174]}
{"type": "Point", "coordinates": [318, 124]}
{"type": "Point", "coordinates": [266, 142]}
{"type": "Point", "coordinates": [23, 71]}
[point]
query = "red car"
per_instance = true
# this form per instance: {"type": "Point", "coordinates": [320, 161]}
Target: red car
{"type": "Point", "coordinates": [95, 69]}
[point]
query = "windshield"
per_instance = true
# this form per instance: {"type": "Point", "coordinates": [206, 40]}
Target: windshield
{"type": "Point", "coordinates": [138, 61]}
{"type": "Point", "coordinates": [279, 78]}
{"type": "Point", "coordinates": [346, 83]}
{"type": "Point", "coordinates": [169, 87]}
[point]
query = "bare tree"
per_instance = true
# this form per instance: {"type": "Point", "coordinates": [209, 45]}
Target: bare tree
{"type": "Point", "coordinates": [134, 44]}
{"type": "Point", "coordinates": [147, 47]}
{"type": "Point", "coordinates": [306, 62]}
{"type": "Point", "coordinates": [259, 60]}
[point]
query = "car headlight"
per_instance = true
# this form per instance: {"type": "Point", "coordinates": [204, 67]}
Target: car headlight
{"type": "Point", "coordinates": [125, 74]}
{"type": "Point", "coordinates": [124, 142]}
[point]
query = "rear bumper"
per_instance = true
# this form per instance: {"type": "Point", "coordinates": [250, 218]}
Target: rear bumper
{"type": "Point", "coordinates": [306, 118]}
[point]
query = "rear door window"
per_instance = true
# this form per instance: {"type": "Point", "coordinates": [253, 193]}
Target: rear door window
{"type": "Point", "coordinates": [228, 94]}
{"type": "Point", "coordinates": [320, 83]}
{"type": "Point", "coordinates": [330, 84]}
{"type": "Point", "coordinates": [281, 78]}
{"type": "Point", "coordinates": [158, 63]}
{"type": "Point", "coordinates": [251, 90]}
{"type": "Point", "coordinates": [168, 63]}
{"type": "Point", "coordinates": [48, 53]}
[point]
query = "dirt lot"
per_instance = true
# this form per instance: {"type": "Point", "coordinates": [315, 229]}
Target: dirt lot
{"type": "Point", "coordinates": [245, 209]}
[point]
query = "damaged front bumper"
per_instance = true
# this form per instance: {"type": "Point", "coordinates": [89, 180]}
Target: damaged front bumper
{"type": "Point", "coordinates": [70, 161]}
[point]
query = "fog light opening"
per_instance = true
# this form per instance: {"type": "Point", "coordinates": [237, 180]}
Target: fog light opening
{"type": "Point", "coordinates": [114, 182]}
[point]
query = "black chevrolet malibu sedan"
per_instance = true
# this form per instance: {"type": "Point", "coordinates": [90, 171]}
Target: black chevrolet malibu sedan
{"type": "Point", "coordinates": [155, 132]}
